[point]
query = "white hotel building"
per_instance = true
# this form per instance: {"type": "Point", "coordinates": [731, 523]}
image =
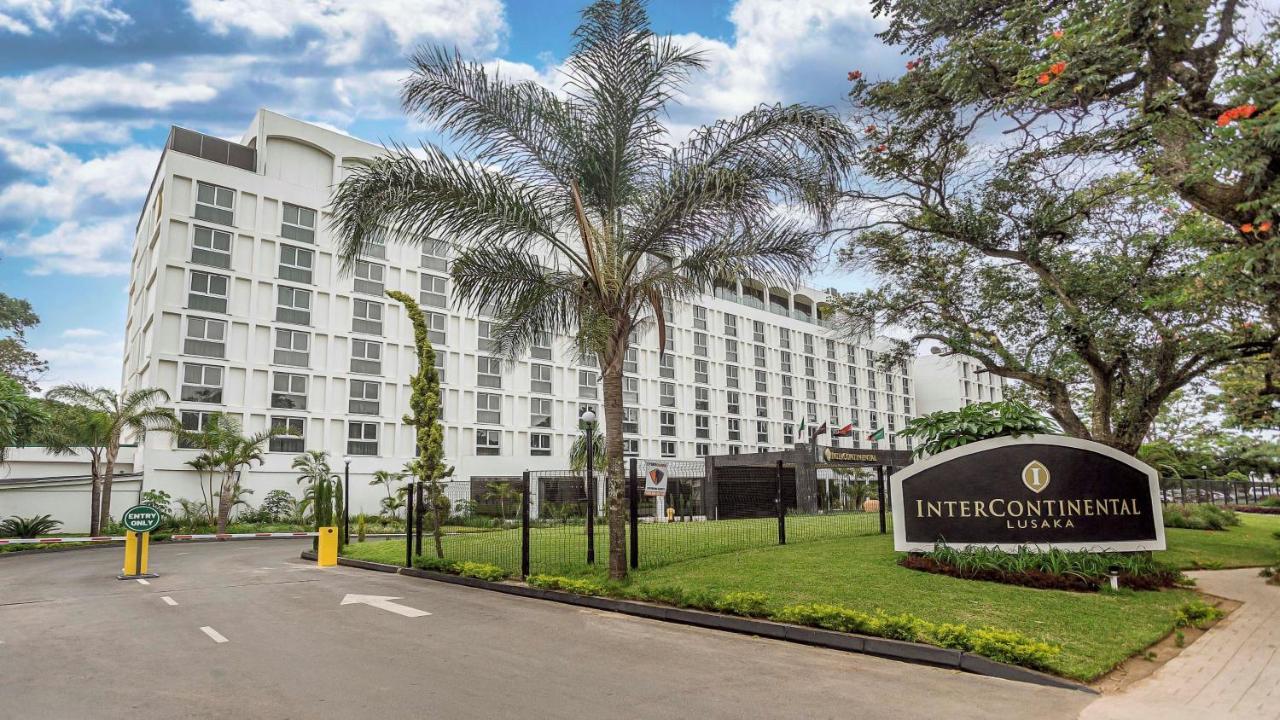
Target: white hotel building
{"type": "Point", "coordinates": [236, 305]}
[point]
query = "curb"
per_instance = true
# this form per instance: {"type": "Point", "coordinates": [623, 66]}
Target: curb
{"type": "Point", "coordinates": [918, 653]}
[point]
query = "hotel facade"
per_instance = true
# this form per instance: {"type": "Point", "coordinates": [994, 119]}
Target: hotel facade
{"type": "Point", "coordinates": [237, 305]}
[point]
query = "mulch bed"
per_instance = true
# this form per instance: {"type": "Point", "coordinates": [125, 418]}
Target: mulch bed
{"type": "Point", "coordinates": [1263, 509]}
{"type": "Point", "coordinates": [1040, 579]}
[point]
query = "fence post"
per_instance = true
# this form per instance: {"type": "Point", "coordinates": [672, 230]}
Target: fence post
{"type": "Point", "coordinates": [417, 527]}
{"type": "Point", "coordinates": [880, 495]}
{"type": "Point", "coordinates": [524, 527]}
{"type": "Point", "coordinates": [782, 507]}
{"type": "Point", "coordinates": [1182, 490]}
{"type": "Point", "coordinates": [633, 494]}
{"type": "Point", "coordinates": [408, 527]}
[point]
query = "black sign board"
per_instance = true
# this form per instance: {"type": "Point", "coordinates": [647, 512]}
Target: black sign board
{"type": "Point", "coordinates": [1037, 490]}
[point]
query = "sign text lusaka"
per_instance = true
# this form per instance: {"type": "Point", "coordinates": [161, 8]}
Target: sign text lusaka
{"type": "Point", "coordinates": [1037, 490]}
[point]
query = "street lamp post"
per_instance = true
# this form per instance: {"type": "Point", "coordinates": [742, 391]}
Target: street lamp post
{"type": "Point", "coordinates": [589, 419]}
{"type": "Point", "coordinates": [346, 498]}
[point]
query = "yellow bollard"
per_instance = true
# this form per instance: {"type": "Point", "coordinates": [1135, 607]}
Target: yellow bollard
{"type": "Point", "coordinates": [136, 546]}
{"type": "Point", "coordinates": [328, 554]}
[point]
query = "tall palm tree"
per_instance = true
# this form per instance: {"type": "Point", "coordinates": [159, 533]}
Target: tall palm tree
{"type": "Point", "coordinates": [116, 415]}
{"type": "Point", "coordinates": [324, 487]}
{"type": "Point", "coordinates": [576, 214]}
{"type": "Point", "coordinates": [240, 453]}
{"type": "Point", "coordinates": [387, 480]}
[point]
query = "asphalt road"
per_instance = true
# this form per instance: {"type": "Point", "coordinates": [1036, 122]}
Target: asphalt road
{"type": "Point", "coordinates": [250, 631]}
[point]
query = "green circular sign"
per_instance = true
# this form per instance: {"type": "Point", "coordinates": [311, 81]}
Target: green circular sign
{"type": "Point", "coordinates": [141, 518]}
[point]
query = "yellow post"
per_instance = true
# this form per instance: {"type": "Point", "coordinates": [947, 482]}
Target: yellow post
{"type": "Point", "coordinates": [328, 554]}
{"type": "Point", "coordinates": [135, 553]}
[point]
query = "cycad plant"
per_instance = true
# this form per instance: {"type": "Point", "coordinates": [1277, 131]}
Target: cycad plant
{"type": "Point", "coordinates": [576, 213]}
{"type": "Point", "coordinates": [323, 494]}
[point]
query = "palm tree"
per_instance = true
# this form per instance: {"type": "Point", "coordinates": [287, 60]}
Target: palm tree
{"type": "Point", "coordinates": [576, 214]}
{"type": "Point", "coordinates": [502, 492]}
{"type": "Point", "coordinates": [387, 480]}
{"type": "Point", "coordinates": [115, 415]}
{"type": "Point", "coordinates": [324, 487]}
{"type": "Point", "coordinates": [240, 453]}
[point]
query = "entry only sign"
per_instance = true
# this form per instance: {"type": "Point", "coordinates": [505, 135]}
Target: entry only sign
{"type": "Point", "coordinates": [141, 518]}
{"type": "Point", "coordinates": [1040, 491]}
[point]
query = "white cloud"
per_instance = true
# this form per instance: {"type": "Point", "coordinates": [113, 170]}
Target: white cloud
{"type": "Point", "coordinates": [24, 17]}
{"type": "Point", "coordinates": [98, 247]}
{"type": "Point", "coordinates": [96, 364]}
{"type": "Point", "coordinates": [141, 85]}
{"type": "Point", "coordinates": [61, 186]}
{"type": "Point", "coordinates": [82, 333]}
{"type": "Point", "coordinates": [349, 29]}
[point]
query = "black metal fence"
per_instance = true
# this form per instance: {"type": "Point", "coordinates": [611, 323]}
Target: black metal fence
{"type": "Point", "coordinates": [555, 522]}
{"type": "Point", "coordinates": [1217, 492]}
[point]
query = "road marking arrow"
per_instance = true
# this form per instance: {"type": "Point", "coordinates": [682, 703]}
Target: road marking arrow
{"type": "Point", "coordinates": [384, 603]}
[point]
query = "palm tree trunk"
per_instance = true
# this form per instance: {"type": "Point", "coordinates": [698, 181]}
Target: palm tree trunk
{"type": "Point", "coordinates": [95, 493]}
{"type": "Point", "coordinates": [224, 503]}
{"type": "Point", "coordinates": [615, 489]}
{"type": "Point", "coordinates": [104, 516]}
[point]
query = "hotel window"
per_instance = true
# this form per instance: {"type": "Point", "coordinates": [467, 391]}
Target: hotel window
{"type": "Point", "coordinates": [289, 435]}
{"type": "Point", "coordinates": [292, 347]}
{"type": "Point", "coordinates": [631, 420]}
{"type": "Point", "coordinates": [588, 384]}
{"type": "Point", "coordinates": [786, 362]}
{"type": "Point", "coordinates": [435, 256]}
{"type": "Point", "coordinates": [366, 316]}
{"type": "Point", "coordinates": [667, 423]}
{"type": "Point", "coordinates": [375, 245]}
{"type": "Point", "coordinates": [668, 448]}
{"type": "Point", "coordinates": [296, 264]}
{"type": "Point", "coordinates": [211, 247]}
{"type": "Point", "coordinates": [201, 383]}
{"type": "Point", "coordinates": [539, 444]}
{"type": "Point", "coordinates": [366, 357]}
{"type": "Point", "coordinates": [762, 381]}
{"type": "Point", "coordinates": [784, 338]}
{"type": "Point", "coordinates": [906, 406]}
{"type": "Point", "coordinates": [193, 421]}
{"type": "Point", "coordinates": [888, 382]}
{"type": "Point", "coordinates": [701, 371]}
{"type": "Point", "coordinates": [489, 408]}
{"type": "Point", "coordinates": [215, 203]}
{"type": "Point", "coordinates": [370, 278]}
{"type": "Point", "coordinates": [435, 291]}
{"type": "Point", "coordinates": [205, 337]}
{"type": "Point", "coordinates": [787, 389]}
{"type": "Point", "coordinates": [731, 351]}
{"type": "Point", "coordinates": [831, 371]}
{"type": "Point", "coordinates": [540, 378]}
{"type": "Point", "coordinates": [762, 432]}
{"type": "Point", "coordinates": [788, 410]}
{"type": "Point", "coordinates": [699, 317]}
{"type": "Point", "coordinates": [808, 343]}
{"type": "Point", "coordinates": [666, 394]}
{"type": "Point", "coordinates": [759, 356]}
{"type": "Point", "coordinates": [888, 402]}
{"type": "Point", "coordinates": [667, 366]}
{"type": "Point", "coordinates": [299, 223]}
{"type": "Point", "coordinates": [702, 427]}
{"type": "Point", "coordinates": [762, 406]}
{"type": "Point", "coordinates": [871, 357]}
{"type": "Point", "coordinates": [208, 292]}
{"type": "Point", "coordinates": [810, 390]}
{"type": "Point", "coordinates": [362, 438]}
{"type": "Point", "coordinates": [437, 322]}
{"type": "Point", "coordinates": [484, 336]}
{"type": "Point", "coordinates": [731, 325]}
{"type": "Point", "coordinates": [831, 350]}
{"type": "Point", "coordinates": [811, 412]}
{"type": "Point", "coordinates": [906, 386]}
{"type": "Point", "coordinates": [540, 412]}
{"type": "Point", "coordinates": [700, 344]}
{"type": "Point", "coordinates": [733, 402]}
{"type": "Point", "coordinates": [702, 399]}
{"type": "Point", "coordinates": [735, 430]}
{"type": "Point", "coordinates": [871, 400]}
{"type": "Point", "coordinates": [734, 450]}
{"type": "Point", "coordinates": [702, 449]}
{"type": "Point", "coordinates": [489, 372]}
{"type": "Point", "coordinates": [364, 397]}
{"type": "Point", "coordinates": [631, 361]}
{"type": "Point", "coordinates": [293, 305]}
{"type": "Point", "coordinates": [833, 394]}
{"type": "Point", "coordinates": [757, 331]}
{"type": "Point", "coordinates": [731, 376]}
{"type": "Point", "coordinates": [631, 390]}
{"type": "Point", "coordinates": [851, 355]}
{"type": "Point", "coordinates": [438, 358]}
{"type": "Point", "coordinates": [630, 447]}
{"type": "Point", "coordinates": [488, 442]}
{"type": "Point", "coordinates": [288, 391]}
{"type": "Point", "coordinates": [541, 349]}
{"type": "Point", "coordinates": [809, 367]}
{"type": "Point", "coordinates": [788, 435]}
{"type": "Point", "coordinates": [871, 378]}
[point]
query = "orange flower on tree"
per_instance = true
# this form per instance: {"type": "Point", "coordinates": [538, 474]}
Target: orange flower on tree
{"type": "Point", "coordinates": [871, 129]}
{"type": "Point", "coordinates": [1264, 226]}
{"type": "Point", "coordinates": [855, 75]}
{"type": "Point", "coordinates": [1044, 78]}
{"type": "Point", "coordinates": [1240, 111]}
{"type": "Point", "coordinates": [1058, 68]}
{"type": "Point", "coordinates": [1057, 34]}
{"type": "Point", "coordinates": [1247, 227]}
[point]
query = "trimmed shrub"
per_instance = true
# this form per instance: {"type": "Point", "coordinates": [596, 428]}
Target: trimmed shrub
{"type": "Point", "coordinates": [1051, 569]}
{"type": "Point", "coordinates": [574, 585]}
{"type": "Point", "coordinates": [748, 604]}
{"type": "Point", "coordinates": [1197, 614]}
{"type": "Point", "coordinates": [482, 571]}
{"type": "Point", "coordinates": [1199, 517]}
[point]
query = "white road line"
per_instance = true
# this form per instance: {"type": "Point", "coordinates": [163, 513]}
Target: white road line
{"type": "Point", "coordinates": [143, 582]}
{"type": "Point", "coordinates": [213, 634]}
{"type": "Point", "coordinates": [168, 600]}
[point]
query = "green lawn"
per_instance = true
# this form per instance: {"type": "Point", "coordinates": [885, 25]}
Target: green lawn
{"type": "Point", "coordinates": [1251, 544]}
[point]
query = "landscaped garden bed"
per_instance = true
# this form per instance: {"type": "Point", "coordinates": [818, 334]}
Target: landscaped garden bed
{"type": "Point", "coordinates": [1053, 570]}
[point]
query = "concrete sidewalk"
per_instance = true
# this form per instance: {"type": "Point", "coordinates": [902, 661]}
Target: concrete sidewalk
{"type": "Point", "coordinates": [1231, 672]}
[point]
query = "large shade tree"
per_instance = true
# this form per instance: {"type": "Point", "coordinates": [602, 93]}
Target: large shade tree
{"type": "Point", "coordinates": [575, 212]}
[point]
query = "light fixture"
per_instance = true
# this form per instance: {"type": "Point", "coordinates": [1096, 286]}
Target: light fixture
{"type": "Point", "coordinates": [588, 416]}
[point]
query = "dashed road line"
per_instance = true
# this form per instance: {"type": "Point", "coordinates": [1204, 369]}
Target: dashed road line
{"type": "Point", "coordinates": [213, 634]}
{"type": "Point", "coordinates": [142, 582]}
{"type": "Point", "coordinates": [168, 600]}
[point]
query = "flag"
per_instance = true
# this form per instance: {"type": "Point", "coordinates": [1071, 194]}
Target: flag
{"type": "Point", "coordinates": [877, 434]}
{"type": "Point", "coordinates": [845, 431]}
{"type": "Point", "coordinates": [822, 429]}
{"type": "Point", "coordinates": [801, 430]}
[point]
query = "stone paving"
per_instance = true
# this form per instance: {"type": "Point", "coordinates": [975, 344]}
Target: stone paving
{"type": "Point", "coordinates": [1232, 671]}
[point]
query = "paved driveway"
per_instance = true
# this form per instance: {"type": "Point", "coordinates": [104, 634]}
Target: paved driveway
{"type": "Point", "coordinates": [246, 630]}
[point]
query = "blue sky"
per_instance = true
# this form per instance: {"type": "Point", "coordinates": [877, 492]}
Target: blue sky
{"type": "Point", "coordinates": [89, 88]}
